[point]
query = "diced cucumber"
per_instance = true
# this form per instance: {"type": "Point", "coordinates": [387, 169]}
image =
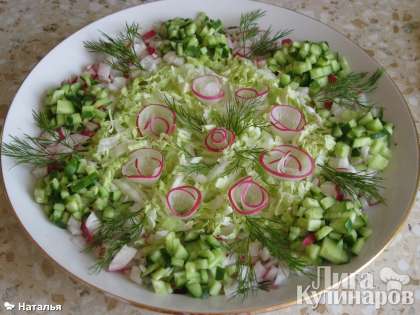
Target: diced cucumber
{"type": "Point", "coordinates": [161, 287]}
{"type": "Point", "coordinates": [377, 162]}
{"type": "Point", "coordinates": [161, 273]}
{"type": "Point", "coordinates": [195, 289]}
{"type": "Point", "coordinates": [358, 245]}
{"type": "Point", "coordinates": [331, 251]}
{"type": "Point", "coordinates": [365, 231]}
{"type": "Point", "coordinates": [312, 251]}
{"type": "Point", "coordinates": [327, 202]}
{"type": "Point", "coordinates": [180, 278]}
{"type": "Point", "coordinates": [351, 237]}
{"type": "Point", "coordinates": [375, 125]}
{"type": "Point", "coordinates": [366, 119]}
{"type": "Point", "coordinates": [361, 142]}
{"type": "Point", "coordinates": [294, 232]}
{"type": "Point", "coordinates": [215, 288]}
{"type": "Point", "coordinates": [323, 232]}
{"type": "Point", "coordinates": [310, 203]}
{"type": "Point", "coordinates": [342, 225]}
{"type": "Point", "coordinates": [64, 106]}
{"type": "Point", "coordinates": [342, 149]}
{"type": "Point", "coordinates": [314, 213]}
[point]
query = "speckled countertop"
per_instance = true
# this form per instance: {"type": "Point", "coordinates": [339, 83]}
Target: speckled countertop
{"type": "Point", "coordinates": [388, 30]}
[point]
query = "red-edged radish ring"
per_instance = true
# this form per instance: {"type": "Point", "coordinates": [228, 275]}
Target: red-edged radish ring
{"type": "Point", "coordinates": [183, 201]}
{"type": "Point", "coordinates": [218, 139]}
{"type": "Point", "coordinates": [287, 121]}
{"type": "Point", "coordinates": [156, 119]}
{"type": "Point", "coordinates": [145, 166]}
{"type": "Point", "coordinates": [247, 94]}
{"type": "Point", "coordinates": [287, 162]}
{"type": "Point", "coordinates": [208, 88]}
{"type": "Point", "coordinates": [247, 197]}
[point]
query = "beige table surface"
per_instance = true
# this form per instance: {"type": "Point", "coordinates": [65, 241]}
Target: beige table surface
{"type": "Point", "coordinates": [388, 30]}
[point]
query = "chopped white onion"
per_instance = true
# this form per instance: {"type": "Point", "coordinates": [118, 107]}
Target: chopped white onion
{"type": "Point", "coordinates": [122, 258]}
{"type": "Point", "coordinates": [92, 223]}
{"type": "Point", "coordinates": [73, 226]}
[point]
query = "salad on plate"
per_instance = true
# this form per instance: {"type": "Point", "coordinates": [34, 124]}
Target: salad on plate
{"type": "Point", "coordinates": [204, 159]}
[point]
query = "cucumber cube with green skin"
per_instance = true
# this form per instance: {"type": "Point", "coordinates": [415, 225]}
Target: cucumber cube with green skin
{"type": "Point", "coordinates": [195, 289]}
{"type": "Point", "coordinates": [313, 225]}
{"type": "Point", "coordinates": [327, 202]}
{"type": "Point", "coordinates": [366, 119]}
{"type": "Point", "coordinates": [342, 225]}
{"type": "Point", "coordinates": [323, 232]}
{"type": "Point", "coordinates": [161, 287]}
{"type": "Point", "coordinates": [180, 278]}
{"type": "Point", "coordinates": [65, 107]}
{"type": "Point", "coordinates": [294, 232]}
{"type": "Point", "coordinates": [310, 203]}
{"type": "Point", "coordinates": [314, 213]}
{"type": "Point", "coordinates": [215, 288]}
{"type": "Point", "coordinates": [365, 231]}
{"type": "Point", "coordinates": [375, 125]}
{"type": "Point", "coordinates": [361, 142]}
{"type": "Point", "coordinates": [377, 162]}
{"type": "Point", "coordinates": [351, 237]}
{"type": "Point", "coordinates": [313, 251]}
{"type": "Point", "coordinates": [342, 149]}
{"type": "Point", "coordinates": [358, 245]}
{"type": "Point", "coordinates": [331, 251]}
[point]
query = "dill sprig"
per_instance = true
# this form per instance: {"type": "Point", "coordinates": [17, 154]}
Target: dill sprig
{"type": "Point", "coordinates": [270, 233]}
{"type": "Point", "coordinates": [33, 150]}
{"type": "Point", "coordinates": [188, 118]}
{"type": "Point", "coordinates": [355, 184]}
{"type": "Point", "coordinates": [266, 42]}
{"type": "Point", "coordinates": [241, 156]}
{"type": "Point", "coordinates": [346, 91]}
{"type": "Point", "coordinates": [195, 168]}
{"type": "Point", "coordinates": [248, 25]}
{"type": "Point", "coordinates": [247, 280]}
{"type": "Point", "coordinates": [119, 48]}
{"type": "Point", "coordinates": [240, 115]}
{"type": "Point", "coordinates": [262, 42]}
{"type": "Point", "coordinates": [114, 233]}
{"type": "Point", "coordinates": [42, 120]}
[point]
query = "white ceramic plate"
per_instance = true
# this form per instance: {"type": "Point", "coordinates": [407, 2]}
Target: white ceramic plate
{"type": "Point", "coordinates": [69, 57]}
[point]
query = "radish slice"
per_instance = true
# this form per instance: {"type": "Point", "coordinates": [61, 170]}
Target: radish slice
{"type": "Point", "coordinates": [288, 162]}
{"type": "Point", "coordinates": [247, 197]}
{"type": "Point", "coordinates": [287, 121]}
{"type": "Point", "coordinates": [183, 201]}
{"type": "Point", "coordinates": [247, 94]}
{"type": "Point", "coordinates": [208, 88]}
{"type": "Point", "coordinates": [149, 35]}
{"type": "Point", "coordinates": [122, 258]}
{"type": "Point", "coordinates": [156, 119]}
{"type": "Point", "coordinates": [218, 139]}
{"type": "Point", "coordinates": [145, 166]}
{"type": "Point", "coordinates": [260, 271]}
{"type": "Point", "coordinates": [271, 274]}
{"type": "Point", "coordinates": [331, 190]}
{"type": "Point", "coordinates": [260, 62]}
{"type": "Point", "coordinates": [104, 71]}
{"type": "Point", "coordinates": [309, 239]}
{"type": "Point", "coordinates": [90, 226]}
